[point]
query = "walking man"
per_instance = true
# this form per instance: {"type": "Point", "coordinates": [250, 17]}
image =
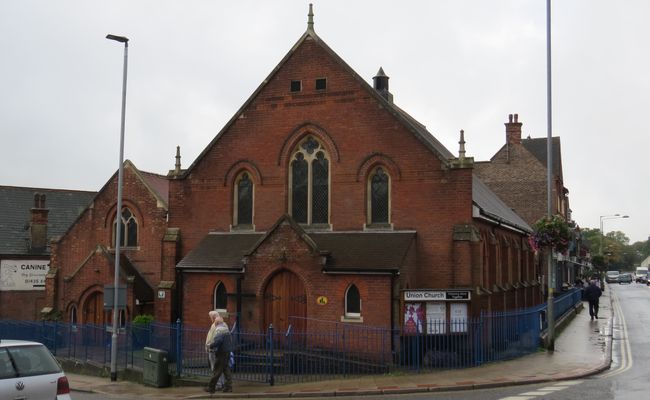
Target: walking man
{"type": "Point", "coordinates": [210, 338]}
{"type": "Point", "coordinates": [221, 346]}
{"type": "Point", "coordinates": [592, 293]}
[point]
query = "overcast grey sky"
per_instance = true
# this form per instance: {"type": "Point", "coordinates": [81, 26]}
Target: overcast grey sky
{"type": "Point", "coordinates": [453, 64]}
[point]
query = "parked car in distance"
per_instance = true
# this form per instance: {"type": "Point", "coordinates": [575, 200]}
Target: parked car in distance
{"type": "Point", "coordinates": [29, 371]}
{"type": "Point", "coordinates": [624, 278]}
{"type": "Point", "coordinates": [642, 275]}
{"type": "Point", "coordinates": [611, 276]}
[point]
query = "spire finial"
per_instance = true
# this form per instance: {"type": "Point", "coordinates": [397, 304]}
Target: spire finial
{"type": "Point", "coordinates": [178, 160]}
{"type": "Point", "coordinates": [461, 151]}
{"type": "Point", "coordinates": [310, 18]}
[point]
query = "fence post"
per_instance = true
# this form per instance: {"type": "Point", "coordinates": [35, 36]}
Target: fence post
{"type": "Point", "coordinates": [271, 358]}
{"type": "Point", "coordinates": [179, 350]}
{"type": "Point", "coordinates": [56, 323]}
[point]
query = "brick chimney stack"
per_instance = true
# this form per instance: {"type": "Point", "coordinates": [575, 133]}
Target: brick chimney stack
{"type": "Point", "coordinates": [38, 224]}
{"type": "Point", "coordinates": [513, 130]}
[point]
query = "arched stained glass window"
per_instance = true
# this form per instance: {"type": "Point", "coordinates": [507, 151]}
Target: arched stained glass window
{"type": "Point", "coordinates": [220, 297]}
{"type": "Point", "coordinates": [352, 302]}
{"type": "Point", "coordinates": [379, 197]}
{"type": "Point", "coordinates": [309, 179]}
{"type": "Point", "coordinates": [244, 200]}
{"type": "Point", "coordinates": [128, 229]}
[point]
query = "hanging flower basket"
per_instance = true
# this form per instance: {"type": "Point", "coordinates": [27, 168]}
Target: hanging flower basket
{"type": "Point", "coordinates": [551, 232]}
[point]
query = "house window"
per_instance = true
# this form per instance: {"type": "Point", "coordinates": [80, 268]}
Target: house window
{"type": "Point", "coordinates": [321, 84]}
{"type": "Point", "coordinates": [352, 302]}
{"type": "Point", "coordinates": [128, 229]}
{"type": "Point", "coordinates": [379, 197]}
{"type": "Point", "coordinates": [243, 201]}
{"type": "Point", "coordinates": [220, 297]}
{"type": "Point", "coordinates": [296, 86]}
{"type": "Point", "coordinates": [310, 183]}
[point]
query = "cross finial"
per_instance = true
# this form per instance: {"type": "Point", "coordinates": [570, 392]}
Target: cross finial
{"type": "Point", "coordinates": [310, 18]}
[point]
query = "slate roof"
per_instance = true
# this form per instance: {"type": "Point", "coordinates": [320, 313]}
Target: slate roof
{"type": "Point", "coordinates": [15, 205]}
{"type": "Point", "coordinates": [346, 251]}
{"type": "Point", "coordinates": [492, 207]}
{"type": "Point", "coordinates": [538, 148]}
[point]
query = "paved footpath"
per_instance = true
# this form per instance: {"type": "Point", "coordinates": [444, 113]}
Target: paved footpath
{"type": "Point", "coordinates": [582, 348]}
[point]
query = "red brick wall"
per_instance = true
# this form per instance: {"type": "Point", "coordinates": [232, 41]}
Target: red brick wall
{"type": "Point", "coordinates": [77, 248]}
{"type": "Point", "coordinates": [355, 128]}
{"type": "Point", "coordinates": [21, 305]}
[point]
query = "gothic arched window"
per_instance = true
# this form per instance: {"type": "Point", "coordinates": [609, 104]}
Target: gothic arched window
{"type": "Point", "coordinates": [309, 183]}
{"type": "Point", "coordinates": [128, 229]}
{"type": "Point", "coordinates": [243, 200]}
{"type": "Point", "coordinates": [379, 197]}
{"type": "Point", "coordinates": [220, 297]}
{"type": "Point", "coordinates": [352, 302]}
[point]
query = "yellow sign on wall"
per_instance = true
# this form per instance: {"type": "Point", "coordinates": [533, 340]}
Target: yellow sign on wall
{"type": "Point", "coordinates": [321, 300]}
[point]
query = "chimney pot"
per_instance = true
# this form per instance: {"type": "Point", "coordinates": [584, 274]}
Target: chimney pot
{"type": "Point", "coordinates": [513, 129]}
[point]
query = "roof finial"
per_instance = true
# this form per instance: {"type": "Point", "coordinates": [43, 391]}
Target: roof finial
{"type": "Point", "coordinates": [177, 168]}
{"type": "Point", "coordinates": [461, 151]}
{"type": "Point", "coordinates": [310, 19]}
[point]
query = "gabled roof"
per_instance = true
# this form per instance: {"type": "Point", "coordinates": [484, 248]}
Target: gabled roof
{"type": "Point", "coordinates": [493, 208]}
{"type": "Point", "coordinates": [538, 148]}
{"type": "Point", "coordinates": [418, 129]}
{"type": "Point", "coordinates": [15, 204]}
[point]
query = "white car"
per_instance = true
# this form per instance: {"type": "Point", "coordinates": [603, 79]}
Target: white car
{"type": "Point", "coordinates": [29, 371]}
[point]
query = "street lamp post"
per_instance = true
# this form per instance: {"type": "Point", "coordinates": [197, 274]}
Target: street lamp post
{"type": "Point", "coordinates": [118, 212]}
{"type": "Point", "coordinates": [550, 313]}
{"type": "Point", "coordinates": [602, 233]}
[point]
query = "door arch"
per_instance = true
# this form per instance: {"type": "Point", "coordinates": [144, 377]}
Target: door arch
{"type": "Point", "coordinates": [93, 311]}
{"type": "Point", "coordinates": [284, 297]}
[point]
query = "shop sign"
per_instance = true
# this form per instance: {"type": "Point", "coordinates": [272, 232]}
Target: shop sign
{"type": "Point", "coordinates": [23, 274]}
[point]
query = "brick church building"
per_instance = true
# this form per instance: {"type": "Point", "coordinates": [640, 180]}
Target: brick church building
{"type": "Point", "coordinates": [320, 200]}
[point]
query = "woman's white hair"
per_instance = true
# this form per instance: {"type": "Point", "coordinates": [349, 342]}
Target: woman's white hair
{"type": "Point", "coordinates": [213, 314]}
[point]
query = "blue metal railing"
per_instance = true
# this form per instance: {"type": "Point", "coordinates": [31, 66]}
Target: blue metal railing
{"type": "Point", "coordinates": [324, 350]}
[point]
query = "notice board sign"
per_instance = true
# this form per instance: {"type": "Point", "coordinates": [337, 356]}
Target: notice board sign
{"type": "Point", "coordinates": [23, 274]}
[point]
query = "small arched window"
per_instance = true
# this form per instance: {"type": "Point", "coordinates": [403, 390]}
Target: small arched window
{"type": "Point", "coordinates": [379, 197]}
{"type": "Point", "coordinates": [352, 302]}
{"type": "Point", "coordinates": [128, 229]}
{"type": "Point", "coordinates": [220, 297]}
{"type": "Point", "coordinates": [243, 200]}
{"type": "Point", "coordinates": [309, 183]}
{"type": "Point", "coordinates": [73, 315]}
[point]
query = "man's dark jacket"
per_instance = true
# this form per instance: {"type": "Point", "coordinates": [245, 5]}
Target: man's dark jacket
{"type": "Point", "coordinates": [592, 292]}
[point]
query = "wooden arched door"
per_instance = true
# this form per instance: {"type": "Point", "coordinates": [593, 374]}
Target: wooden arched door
{"type": "Point", "coordinates": [94, 309]}
{"type": "Point", "coordinates": [285, 297]}
{"type": "Point", "coordinates": [94, 314]}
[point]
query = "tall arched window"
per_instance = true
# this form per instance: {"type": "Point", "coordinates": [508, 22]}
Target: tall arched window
{"type": "Point", "coordinates": [128, 229]}
{"type": "Point", "coordinates": [309, 180]}
{"type": "Point", "coordinates": [220, 297]}
{"type": "Point", "coordinates": [379, 197]}
{"type": "Point", "coordinates": [352, 302]}
{"type": "Point", "coordinates": [243, 198]}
